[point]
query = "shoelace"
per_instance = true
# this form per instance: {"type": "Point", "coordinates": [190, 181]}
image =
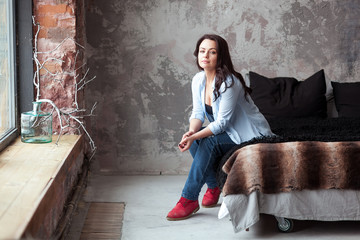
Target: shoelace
{"type": "Point", "coordinates": [212, 191]}
{"type": "Point", "coordinates": [185, 202]}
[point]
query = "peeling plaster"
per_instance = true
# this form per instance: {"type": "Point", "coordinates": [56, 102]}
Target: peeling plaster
{"type": "Point", "coordinates": [142, 55]}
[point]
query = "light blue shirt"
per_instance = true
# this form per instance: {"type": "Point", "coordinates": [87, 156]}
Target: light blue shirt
{"type": "Point", "coordinates": [237, 116]}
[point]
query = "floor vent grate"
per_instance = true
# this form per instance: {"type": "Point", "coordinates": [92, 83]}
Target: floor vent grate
{"type": "Point", "coordinates": [103, 221]}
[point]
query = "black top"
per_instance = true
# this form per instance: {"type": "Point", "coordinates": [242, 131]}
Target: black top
{"type": "Point", "coordinates": [208, 109]}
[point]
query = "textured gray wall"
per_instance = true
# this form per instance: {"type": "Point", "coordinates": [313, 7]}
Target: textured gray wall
{"type": "Point", "coordinates": [141, 52]}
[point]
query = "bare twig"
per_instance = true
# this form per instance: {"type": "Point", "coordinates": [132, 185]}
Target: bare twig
{"type": "Point", "coordinates": [73, 116]}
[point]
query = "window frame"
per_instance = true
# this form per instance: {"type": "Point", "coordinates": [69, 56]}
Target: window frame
{"type": "Point", "coordinates": [11, 133]}
{"type": "Point", "coordinates": [23, 63]}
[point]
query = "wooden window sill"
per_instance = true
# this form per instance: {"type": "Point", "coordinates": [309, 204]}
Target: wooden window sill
{"type": "Point", "coordinates": [35, 180]}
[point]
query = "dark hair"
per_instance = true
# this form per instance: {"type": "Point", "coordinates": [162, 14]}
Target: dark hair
{"type": "Point", "coordinates": [224, 66]}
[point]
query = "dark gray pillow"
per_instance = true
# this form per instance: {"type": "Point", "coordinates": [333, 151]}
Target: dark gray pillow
{"type": "Point", "coordinates": [287, 97]}
{"type": "Point", "coordinates": [347, 98]}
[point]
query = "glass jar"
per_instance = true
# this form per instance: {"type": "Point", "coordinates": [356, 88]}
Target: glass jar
{"type": "Point", "coordinates": [36, 126]}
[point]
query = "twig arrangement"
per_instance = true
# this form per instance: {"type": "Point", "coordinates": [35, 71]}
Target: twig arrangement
{"type": "Point", "coordinates": [72, 117]}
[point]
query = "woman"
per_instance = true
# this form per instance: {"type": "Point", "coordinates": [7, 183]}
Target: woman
{"type": "Point", "coordinates": [220, 94]}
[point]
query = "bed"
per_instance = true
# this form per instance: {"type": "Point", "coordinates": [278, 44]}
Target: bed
{"type": "Point", "coordinates": [310, 170]}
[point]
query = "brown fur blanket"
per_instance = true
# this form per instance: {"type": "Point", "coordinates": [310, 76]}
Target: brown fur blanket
{"type": "Point", "coordinates": [284, 167]}
{"type": "Point", "coordinates": [305, 154]}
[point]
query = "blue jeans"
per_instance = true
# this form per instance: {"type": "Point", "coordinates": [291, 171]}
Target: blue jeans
{"type": "Point", "coordinates": [205, 153]}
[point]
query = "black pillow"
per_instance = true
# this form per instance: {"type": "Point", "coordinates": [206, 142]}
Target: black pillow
{"type": "Point", "coordinates": [347, 98]}
{"type": "Point", "coordinates": [287, 97]}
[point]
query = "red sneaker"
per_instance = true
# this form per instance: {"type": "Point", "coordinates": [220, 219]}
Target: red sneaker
{"type": "Point", "coordinates": [183, 209]}
{"type": "Point", "coordinates": [211, 197]}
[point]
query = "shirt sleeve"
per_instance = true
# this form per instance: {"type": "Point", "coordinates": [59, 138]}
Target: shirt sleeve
{"type": "Point", "coordinates": [197, 111]}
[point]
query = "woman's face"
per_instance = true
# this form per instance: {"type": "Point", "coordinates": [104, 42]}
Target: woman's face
{"type": "Point", "coordinates": [207, 56]}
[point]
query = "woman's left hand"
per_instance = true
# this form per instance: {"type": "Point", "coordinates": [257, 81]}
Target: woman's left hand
{"type": "Point", "coordinates": [185, 143]}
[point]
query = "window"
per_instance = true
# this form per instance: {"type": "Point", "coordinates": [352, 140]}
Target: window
{"type": "Point", "coordinates": [8, 112]}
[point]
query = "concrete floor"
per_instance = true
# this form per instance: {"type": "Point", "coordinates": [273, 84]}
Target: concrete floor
{"type": "Point", "coordinates": [148, 199]}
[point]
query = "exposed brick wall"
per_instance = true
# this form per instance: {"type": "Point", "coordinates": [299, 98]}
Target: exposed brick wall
{"type": "Point", "coordinates": [59, 20]}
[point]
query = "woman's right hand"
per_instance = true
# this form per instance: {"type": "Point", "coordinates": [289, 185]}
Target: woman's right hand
{"type": "Point", "coordinates": [187, 134]}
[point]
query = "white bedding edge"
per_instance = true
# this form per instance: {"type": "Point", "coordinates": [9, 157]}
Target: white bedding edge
{"type": "Point", "coordinates": [323, 205]}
